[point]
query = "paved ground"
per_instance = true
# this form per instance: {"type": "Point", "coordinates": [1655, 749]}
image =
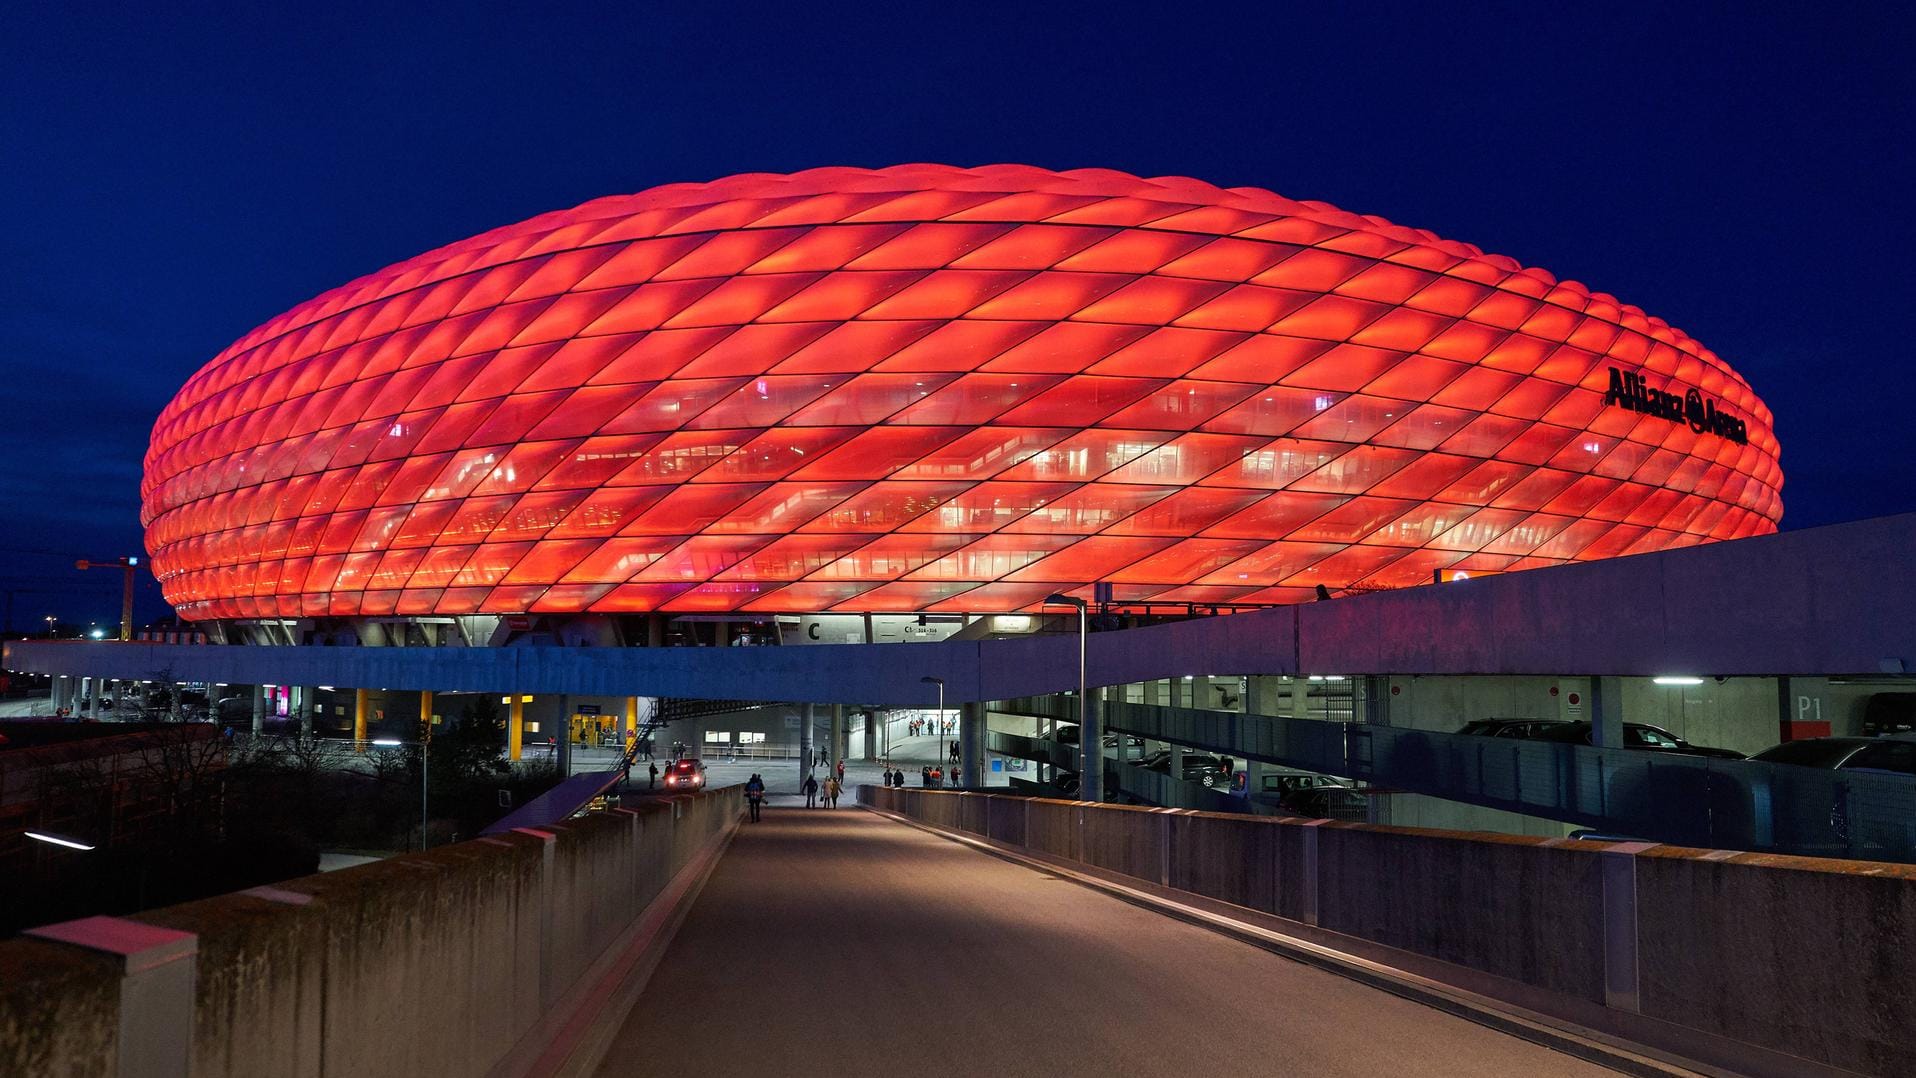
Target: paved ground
{"type": "Point", "coordinates": [841, 943]}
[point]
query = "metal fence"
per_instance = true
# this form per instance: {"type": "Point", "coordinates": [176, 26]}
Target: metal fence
{"type": "Point", "coordinates": [1661, 797]}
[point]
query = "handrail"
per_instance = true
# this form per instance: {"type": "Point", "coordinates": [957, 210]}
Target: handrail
{"type": "Point", "coordinates": [1661, 797]}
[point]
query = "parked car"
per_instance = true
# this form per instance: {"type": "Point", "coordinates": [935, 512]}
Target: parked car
{"type": "Point", "coordinates": [1314, 796]}
{"type": "Point", "coordinates": [1510, 727]}
{"type": "Point", "coordinates": [1065, 735]}
{"type": "Point", "coordinates": [1894, 754]}
{"type": "Point", "coordinates": [1636, 735]}
{"type": "Point", "coordinates": [1198, 766]}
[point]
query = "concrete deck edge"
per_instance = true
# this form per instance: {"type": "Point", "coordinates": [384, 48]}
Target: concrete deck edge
{"type": "Point", "coordinates": [1631, 1044]}
{"type": "Point", "coordinates": [574, 1039]}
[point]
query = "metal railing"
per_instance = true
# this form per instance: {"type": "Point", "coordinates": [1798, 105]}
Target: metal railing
{"type": "Point", "coordinates": [1661, 797]}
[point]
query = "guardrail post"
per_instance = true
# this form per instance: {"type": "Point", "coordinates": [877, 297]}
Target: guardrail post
{"type": "Point", "coordinates": [1620, 971]}
{"type": "Point", "coordinates": [1309, 859]}
{"type": "Point", "coordinates": [156, 989]}
{"type": "Point", "coordinates": [547, 915]}
{"type": "Point", "coordinates": [1164, 848]}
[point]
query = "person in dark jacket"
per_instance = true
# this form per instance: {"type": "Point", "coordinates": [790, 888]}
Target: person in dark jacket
{"type": "Point", "coordinates": [755, 794]}
{"type": "Point", "coordinates": [811, 791]}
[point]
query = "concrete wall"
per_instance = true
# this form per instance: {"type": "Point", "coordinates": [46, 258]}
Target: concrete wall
{"type": "Point", "coordinates": [1758, 963]}
{"type": "Point", "coordinates": [435, 963]}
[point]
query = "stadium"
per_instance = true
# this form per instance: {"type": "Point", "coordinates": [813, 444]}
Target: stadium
{"type": "Point", "coordinates": [932, 390]}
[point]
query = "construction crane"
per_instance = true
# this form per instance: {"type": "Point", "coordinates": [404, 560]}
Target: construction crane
{"type": "Point", "coordinates": [129, 565]}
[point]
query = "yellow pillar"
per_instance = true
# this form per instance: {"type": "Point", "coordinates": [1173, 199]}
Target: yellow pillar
{"type": "Point", "coordinates": [359, 719]}
{"type": "Point", "coordinates": [425, 713]}
{"type": "Point", "coordinates": [631, 715]}
{"type": "Point", "coordinates": [516, 727]}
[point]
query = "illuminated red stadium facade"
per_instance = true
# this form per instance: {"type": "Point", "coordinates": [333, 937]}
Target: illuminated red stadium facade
{"type": "Point", "coordinates": [935, 389]}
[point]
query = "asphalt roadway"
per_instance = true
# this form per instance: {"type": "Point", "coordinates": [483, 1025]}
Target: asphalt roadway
{"type": "Point", "coordinates": [837, 942]}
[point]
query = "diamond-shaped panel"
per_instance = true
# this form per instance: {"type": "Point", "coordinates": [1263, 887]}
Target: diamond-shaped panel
{"type": "Point", "coordinates": [930, 388]}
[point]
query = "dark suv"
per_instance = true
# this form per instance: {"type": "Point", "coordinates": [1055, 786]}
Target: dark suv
{"type": "Point", "coordinates": [1198, 766]}
{"type": "Point", "coordinates": [1636, 735]}
{"type": "Point", "coordinates": [1846, 754]}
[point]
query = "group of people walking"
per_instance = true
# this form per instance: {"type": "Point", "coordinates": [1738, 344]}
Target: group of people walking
{"type": "Point", "coordinates": [829, 790]}
{"type": "Point", "coordinates": [928, 727]}
{"type": "Point", "coordinates": [929, 776]}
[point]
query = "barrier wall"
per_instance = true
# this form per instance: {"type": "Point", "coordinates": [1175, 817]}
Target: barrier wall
{"type": "Point", "coordinates": [434, 963]}
{"type": "Point", "coordinates": [1762, 963]}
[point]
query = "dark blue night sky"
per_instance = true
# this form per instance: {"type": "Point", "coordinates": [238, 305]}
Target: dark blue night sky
{"type": "Point", "coordinates": [1744, 171]}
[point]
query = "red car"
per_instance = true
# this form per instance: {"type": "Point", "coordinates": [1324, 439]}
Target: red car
{"type": "Point", "coordinates": [685, 775]}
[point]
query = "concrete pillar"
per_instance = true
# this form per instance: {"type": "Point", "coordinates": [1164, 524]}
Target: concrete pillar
{"type": "Point", "coordinates": [259, 708]}
{"type": "Point", "coordinates": [807, 715]}
{"type": "Point", "coordinates": [871, 734]}
{"type": "Point", "coordinates": [971, 744]}
{"type": "Point", "coordinates": [1091, 748]}
{"type": "Point", "coordinates": [158, 968]}
{"type": "Point", "coordinates": [836, 751]}
{"type": "Point", "coordinates": [300, 700]}
{"type": "Point", "coordinates": [425, 714]}
{"type": "Point", "coordinates": [359, 719]}
{"type": "Point", "coordinates": [631, 717]}
{"type": "Point", "coordinates": [1606, 712]}
{"type": "Point", "coordinates": [1154, 692]}
{"type": "Point", "coordinates": [515, 726]}
{"type": "Point", "coordinates": [565, 735]}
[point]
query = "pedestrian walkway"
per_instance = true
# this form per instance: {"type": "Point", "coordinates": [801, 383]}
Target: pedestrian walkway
{"type": "Point", "coordinates": [844, 943]}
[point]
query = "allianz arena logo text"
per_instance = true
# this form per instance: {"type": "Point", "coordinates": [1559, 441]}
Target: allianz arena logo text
{"type": "Point", "coordinates": [1629, 390]}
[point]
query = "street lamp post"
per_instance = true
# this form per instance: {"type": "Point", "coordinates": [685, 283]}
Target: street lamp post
{"type": "Point", "coordinates": [1090, 740]}
{"type": "Point", "coordinates": [940, 720]}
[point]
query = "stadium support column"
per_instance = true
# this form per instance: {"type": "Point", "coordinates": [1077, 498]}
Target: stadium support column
{"type": "Point", "coordinates": [1091, 747]}
{"type": "Point", "coordinates": [836, 752]}
{"type": "Point", "coordinates": [359, 719]}
{"type": "Point", "coordinates": [259, 708]}
{"type": "Point", "coordinates": [871, 734]}
{"type": "Point", "coordinates": [564, 742]}
{"type": "Point", "coordinates": [971, 743]}
{"type": "Point", "coordinates": [515, 726]}
{"type": "Point", "coordinates": [631, 717]}
{"type": "Point", "coordinates": [1606, 712]}
{"type": "Point", "coordinates": [807, 715]}
{"type": "Point", "coordinates": [425, 714]}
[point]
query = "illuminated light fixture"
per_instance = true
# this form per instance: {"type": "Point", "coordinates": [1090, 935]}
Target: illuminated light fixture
{"type": "Point", "coordinates": [98, 634]}
{"type": "Point", "coordinates": [71, 844]}
{"type": "Point", "coordinates": [387, 742]}
{"type": "Point", "coordinates": [1674, 679]}
{"type": "Point", "coordinates": [1003, 433]}
{"type": "Point", "coordinates": [1012, 623]}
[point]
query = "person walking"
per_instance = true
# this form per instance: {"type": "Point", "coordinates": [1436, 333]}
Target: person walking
{"type": "Point", "coordinates": [754, 793]}
{"type": "Point", "coordinates": [924, 776]}
{"type": "Point", "coordinates": [841, 772]}
{"type": "Point", "coordinates": [811, 791]}
{"type": "Point", "coordinates": [652, 783]}
{"type": "Point", "coordinates": [831, 792]}
{"type": "Point", "coordinates": [937, 778]}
